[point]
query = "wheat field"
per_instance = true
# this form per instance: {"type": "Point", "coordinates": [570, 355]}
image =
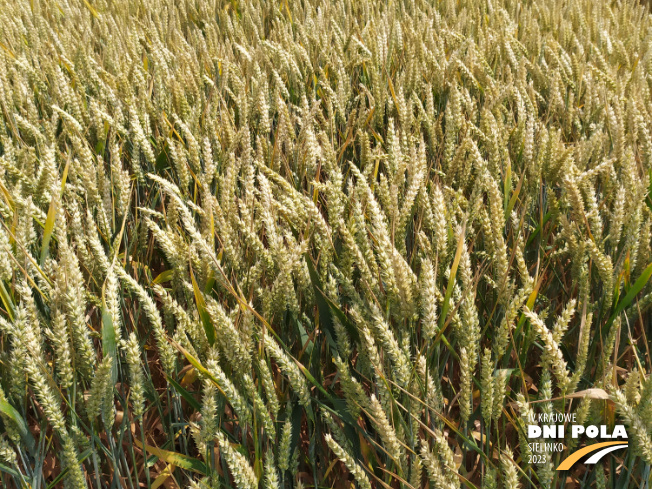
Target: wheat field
{"type": "Point", "coordinates": [322, 244]}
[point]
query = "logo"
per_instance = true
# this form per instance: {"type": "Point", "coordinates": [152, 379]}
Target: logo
{"type": "Point", "coordinates": [548, 437]}
{"type": "Point", "coordinates": [601, 450]}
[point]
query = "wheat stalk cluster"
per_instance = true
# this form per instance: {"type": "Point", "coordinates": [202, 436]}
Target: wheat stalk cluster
{"type": "Point", "coordinates": [277, 244]}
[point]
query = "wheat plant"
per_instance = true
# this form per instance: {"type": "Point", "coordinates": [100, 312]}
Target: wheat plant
{"type": "Point", "coordinates": [322, 244]}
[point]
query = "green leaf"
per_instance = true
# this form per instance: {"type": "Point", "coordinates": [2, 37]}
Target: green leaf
{"type": "Point", "coordinates": [451, 282]}
{"type": "Point", "coordinates": [185, 394]}
{"type": "Point", "coordinates": [48, 230]}
{"type": "Point", "coordinates": [328, 308]}
{"type": "Point", "coordinates": [203, 313]}
{"type": "Point", "coordinates": [325, 317]}
{"type": "Point", "coordinates": [633, 291]}
{"type": "Point", "coordinates": [51, 218]}
{"type": "Point", "coordinates": [514, 198]}
{"type": "Point", "coordinates": [8, 470]}
{"type": "Point", "coordinates": [100, 146]}
{"type": "Point", "coordinates": [109, 341]}
{"type": "Point", "coordinates": [537, 230]}
{"type": "Point", "coordinates": [9, 411]}
{"type": "Point", "coordinates": [162, 163]}
{"type": "Point", "coordinates": [623, 303]}
{"type": "Point", "coordinates": [210, 281]}
{"type": "Point", "coordinates": [162, 277]}
{"type": "Point", "coordinates": [507, 187]}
